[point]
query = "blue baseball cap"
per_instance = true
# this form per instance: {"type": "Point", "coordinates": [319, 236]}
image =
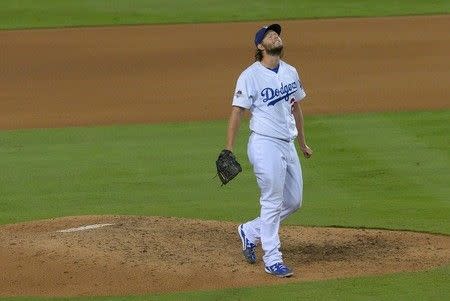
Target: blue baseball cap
{"type": "Point", "coordinates": [261, 33]}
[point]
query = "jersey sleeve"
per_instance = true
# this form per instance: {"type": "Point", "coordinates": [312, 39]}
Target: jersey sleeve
{"type": "Point", "coordinates": [300, 93]}
{"type": "Point", "coordinates": [243, 96]}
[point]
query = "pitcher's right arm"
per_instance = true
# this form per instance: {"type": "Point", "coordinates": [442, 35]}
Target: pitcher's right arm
{"type": "Point", "coordinates": [233, 126]}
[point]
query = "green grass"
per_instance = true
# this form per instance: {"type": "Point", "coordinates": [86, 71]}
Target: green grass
{"type": "Point", "coordinates": [372, 170]}
{"type": "Point", "coordinates": [387, 170]}
{"type": "Point", "coordinates": [62, 13]}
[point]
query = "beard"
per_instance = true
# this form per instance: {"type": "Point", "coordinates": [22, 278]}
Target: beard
{"type": "Point", "coordinates": [275, 51]}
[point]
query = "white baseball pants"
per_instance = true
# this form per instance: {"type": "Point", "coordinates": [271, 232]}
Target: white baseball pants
{"type": "Point", "coordinates": [279, 176]}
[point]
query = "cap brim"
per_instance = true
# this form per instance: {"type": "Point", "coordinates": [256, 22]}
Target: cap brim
{"type": "Point", "coordinates": [261, 33]}
{"type": "Point", "coordinates": [275, 27]}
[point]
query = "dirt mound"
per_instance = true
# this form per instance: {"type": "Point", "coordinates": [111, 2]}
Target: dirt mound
{"type": "Point", "coordinates": [122, 255]}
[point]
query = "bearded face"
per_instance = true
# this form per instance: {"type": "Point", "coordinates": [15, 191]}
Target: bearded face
{"type": "Point", "coordinates": [272, 43]}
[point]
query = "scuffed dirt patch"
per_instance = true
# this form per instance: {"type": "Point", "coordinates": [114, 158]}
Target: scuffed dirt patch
{"type": "Point", "coordinates": [138, 255]}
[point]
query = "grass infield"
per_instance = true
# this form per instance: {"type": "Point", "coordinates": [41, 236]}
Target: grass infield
{"type": "Point", "coordinates": [373, 170]}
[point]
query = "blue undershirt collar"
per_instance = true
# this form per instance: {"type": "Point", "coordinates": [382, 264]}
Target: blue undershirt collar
{"type": "Point", "coordinates": [275, 69]}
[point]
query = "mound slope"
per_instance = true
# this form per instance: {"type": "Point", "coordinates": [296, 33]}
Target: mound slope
{"type": "Point", "coordinates": [138, 255]}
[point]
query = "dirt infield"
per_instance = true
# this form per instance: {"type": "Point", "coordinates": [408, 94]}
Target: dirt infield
{"type": "Point", "coordinates": [62, 77]}
{"type": "Point", "coordinates": [144, 74]}
{"type": "Point", "coordinates": [138, 255]}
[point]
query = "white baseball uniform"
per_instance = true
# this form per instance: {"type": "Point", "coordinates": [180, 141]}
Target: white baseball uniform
{"type": "Point", "coordinates": [269, 96]}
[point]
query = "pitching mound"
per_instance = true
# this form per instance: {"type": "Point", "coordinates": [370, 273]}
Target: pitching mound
{"type": "Point", "coordinates": [122, 255]}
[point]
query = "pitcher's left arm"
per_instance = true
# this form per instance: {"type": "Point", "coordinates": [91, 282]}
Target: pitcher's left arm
{"type": "Point", "coordinates": [299, 122]}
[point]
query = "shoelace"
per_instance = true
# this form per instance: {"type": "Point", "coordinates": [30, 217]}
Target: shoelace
{"type": "Point", "coordinates": [280, 267]}
{"type": "Point", "coordinates": [249, 245]}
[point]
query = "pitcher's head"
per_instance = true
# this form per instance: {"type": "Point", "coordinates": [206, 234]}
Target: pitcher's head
{"type": "Point", "coordinates": [268, 41]}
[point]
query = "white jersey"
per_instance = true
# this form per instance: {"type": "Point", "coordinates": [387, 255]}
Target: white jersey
{"type": "Point", "coordinates": [269, 97]}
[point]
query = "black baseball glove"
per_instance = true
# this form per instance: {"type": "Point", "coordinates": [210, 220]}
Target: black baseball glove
{"type": "Point", "coordinates": [227, 166]}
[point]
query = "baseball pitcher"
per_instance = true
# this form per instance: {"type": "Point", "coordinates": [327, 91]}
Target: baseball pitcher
{"type": "Point", "coordinates": [272, 90]}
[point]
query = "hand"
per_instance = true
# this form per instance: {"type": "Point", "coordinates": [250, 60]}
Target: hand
{"type": "Point", "coordinates": [307, 152]}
